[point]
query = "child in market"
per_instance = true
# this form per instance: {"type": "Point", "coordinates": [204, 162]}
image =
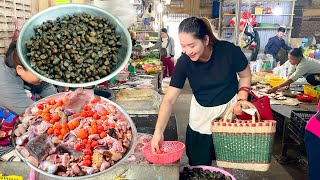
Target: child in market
{"type": "Point", "coordinates": [312, 144]}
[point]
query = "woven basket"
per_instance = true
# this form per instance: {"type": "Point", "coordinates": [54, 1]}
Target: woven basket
{"type": "Point", "coordinates": [243, 144]}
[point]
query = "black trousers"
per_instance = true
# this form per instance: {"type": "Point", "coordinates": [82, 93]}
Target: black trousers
{"type": "Point", "coordinates": [312, 80]}
{"type": "Point", "coordinates": [199, 148]}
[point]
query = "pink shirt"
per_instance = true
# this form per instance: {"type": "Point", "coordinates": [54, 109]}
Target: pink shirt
{"type": "Point", "coordinates": [313, 126]}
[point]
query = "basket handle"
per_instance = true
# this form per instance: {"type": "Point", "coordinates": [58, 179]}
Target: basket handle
{"type": "Point", "coordinates": [229, 111]}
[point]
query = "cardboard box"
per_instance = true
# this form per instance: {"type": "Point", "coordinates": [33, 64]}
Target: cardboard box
{"type": "Point", "coordinates": [258, 10]}
{"type": "Point", "coordinates": [296, 42]}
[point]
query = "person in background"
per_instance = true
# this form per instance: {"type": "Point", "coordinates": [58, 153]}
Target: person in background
{"type": "Point", "coordinates": [212, 68]}
{"type": "Point", "coordinates": [166, 46]}
{"type": "Point", "coordinates": [133, 36]}
{"type": "Point", "coordinates": [302, 67]}
{"type": "Point", "coordinates": [312, 144]}
{"type": "Point", "coordinates": [274, 44]}
{"type": "Point", "coordinates": [17, 92]}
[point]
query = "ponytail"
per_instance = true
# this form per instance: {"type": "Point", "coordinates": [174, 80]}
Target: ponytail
{"type": "Point", "coordinates": [212, 38]}
{"type": "Point", "coordinates": [199, 27]}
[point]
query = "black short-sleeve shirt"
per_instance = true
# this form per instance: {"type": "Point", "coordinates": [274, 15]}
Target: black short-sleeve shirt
{"type": "Point", "coordinates": [213, 82]}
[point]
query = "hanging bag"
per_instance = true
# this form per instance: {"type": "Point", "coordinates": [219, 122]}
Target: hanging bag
{"type": "Point", "coordinates": [163, 51]}
{"type": "Point", "coordinates": [243, 144]}
{"type": "Point", "coordinates": [262, 104]}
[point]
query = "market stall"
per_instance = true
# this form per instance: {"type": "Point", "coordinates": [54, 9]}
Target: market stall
{"type": "Point", "coordinates": [291, 108]}
{"type": "Point", "coordinates": [105, 44]}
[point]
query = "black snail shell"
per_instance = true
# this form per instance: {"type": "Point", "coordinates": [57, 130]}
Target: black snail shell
{"type": "Point", "coordinates": [200, 174]}
{"type": "Point", "coordinates": [75, 48]}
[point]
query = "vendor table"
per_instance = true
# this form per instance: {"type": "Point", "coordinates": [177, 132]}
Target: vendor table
{"type": "Point", "coordinates": [145, 123]}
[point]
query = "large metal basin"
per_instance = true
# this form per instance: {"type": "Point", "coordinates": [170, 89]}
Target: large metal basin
{"type": "Point", "coordinates": [128, 153]}
{"type": "Point", "coordinates": [27, 32]}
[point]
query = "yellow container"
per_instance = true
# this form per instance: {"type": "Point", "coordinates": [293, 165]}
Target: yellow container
{"type": "Point", "coordinates": [275, 81]}
{"type": "Point", "coordinates": [308, 89]}
{"type": "Point", "coordinates": [151, 71]}
{"type": "Point", "coordinates": [258, 10]}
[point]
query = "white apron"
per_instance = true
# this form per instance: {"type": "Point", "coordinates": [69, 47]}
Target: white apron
{"type": "Point", "coordinates": [200, 117]}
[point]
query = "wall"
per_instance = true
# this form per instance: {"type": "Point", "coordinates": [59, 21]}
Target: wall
{"type": "Point", "coordinates": [191, 7]}
{"type": "Point", "coordinates": [307, 19]}
{"type": "Point", "coordinates": [10, 10]}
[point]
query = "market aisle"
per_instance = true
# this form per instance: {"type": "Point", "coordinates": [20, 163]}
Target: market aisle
{"type": "Point", "coordinates": [181, 109]}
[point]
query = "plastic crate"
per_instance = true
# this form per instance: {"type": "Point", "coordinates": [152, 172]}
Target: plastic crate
{"type": "Point", "coordinates": [296, 132]}
{"type": "Point", "coordinates": [298, 121]}
{"type": "Point", "coordinates": [308, 89]}
{"type": "Point", "coordinates": [280, 122]}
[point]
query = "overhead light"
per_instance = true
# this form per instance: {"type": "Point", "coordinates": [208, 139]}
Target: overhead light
{"type": "Point", "coordinates": [160, 7]}
{"type": "Point", "coordinates": [131, 1]}
{"type": "Point", "coordinates": [168, 2]}
{"type": "Point", "coordinates": [277, 10]}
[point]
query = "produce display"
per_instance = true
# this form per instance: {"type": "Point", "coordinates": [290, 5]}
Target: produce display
{"type": "Point", "coordinates": [151, 59]}
{"type": "Point", "coordinates": [199, 173]}
{"type": "Point", "coordinates": [73, 134]}
{"type": "Point", "coordinates": [75, 48]}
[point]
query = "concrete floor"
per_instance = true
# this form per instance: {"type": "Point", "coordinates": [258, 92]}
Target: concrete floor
{"type": "Point", "coordinates": [276, 170]}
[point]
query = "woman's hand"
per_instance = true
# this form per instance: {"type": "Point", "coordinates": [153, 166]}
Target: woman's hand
{"type": "Point", "coordinates": [237, 108]}
{"type": "Point", "coordinates": [156, 141]}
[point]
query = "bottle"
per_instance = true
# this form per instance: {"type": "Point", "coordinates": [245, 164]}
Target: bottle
{"type": "Point", "coordinates": [131, 69]}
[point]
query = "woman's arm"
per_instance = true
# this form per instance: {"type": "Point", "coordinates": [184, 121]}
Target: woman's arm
{"type": "Point", "coordinates": [156, 46]}
{"type": "Point", "coordinates": [166, 108]}
{"type": "Point", "coordinates": [244, 81]}
{"type": "Point", "coordinates": [14, 98]}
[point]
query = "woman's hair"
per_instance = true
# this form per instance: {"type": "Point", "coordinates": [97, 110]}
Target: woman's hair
{"type": "Point", "coordinates": [199, 27]}
{"type": "Point", "coordinates": [296, 52]}
{"type": "Point", "coordinates": [12, 59]}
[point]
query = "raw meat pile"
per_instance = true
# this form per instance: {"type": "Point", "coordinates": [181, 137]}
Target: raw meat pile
{"type": "Point", "coordinates": [73, 134]}
{"type": "Point", "coordinates": [137, 157]}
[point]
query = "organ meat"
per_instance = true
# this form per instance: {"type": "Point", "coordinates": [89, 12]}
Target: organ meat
{"type": "Point", "coordinates": [39, 147]}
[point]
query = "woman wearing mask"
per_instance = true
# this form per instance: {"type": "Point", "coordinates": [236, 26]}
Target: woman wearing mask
{"type": "Point", "coordinates": [302, 67]}
{"type": "Point", "coordinates": [211, 66]}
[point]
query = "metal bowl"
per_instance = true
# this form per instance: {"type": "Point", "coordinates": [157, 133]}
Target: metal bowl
{"type": "Point", "coordinates": [127, 154]}
{"type": "Point", "coordinates": [27, 32]}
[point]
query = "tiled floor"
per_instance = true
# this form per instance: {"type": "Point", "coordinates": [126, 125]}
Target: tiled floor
{"type": "Point", "coordinates": [276, 171]}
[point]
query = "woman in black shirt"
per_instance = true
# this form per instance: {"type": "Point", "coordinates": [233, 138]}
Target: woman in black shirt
{"type": "Point", "coordinates": [212, 67]}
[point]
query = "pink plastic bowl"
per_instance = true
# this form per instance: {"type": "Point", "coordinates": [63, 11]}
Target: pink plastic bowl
{"type": "Point", "coordinates": [173, 151]}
